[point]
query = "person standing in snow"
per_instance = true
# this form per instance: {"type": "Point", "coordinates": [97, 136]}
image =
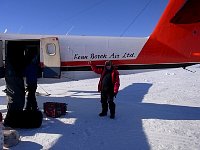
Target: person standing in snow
{"type": "Point", "coordinates": [31, 78]}
{"type": "Point", "coordinates": [108, 86]}
{"type": "Point", "coordinates": [16, 66]}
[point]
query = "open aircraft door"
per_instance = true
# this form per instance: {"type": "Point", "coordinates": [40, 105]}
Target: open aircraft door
{"type": "Point", "coordinates": [51, 57]}
{"type": "Point", "coordinates": [2, 73]}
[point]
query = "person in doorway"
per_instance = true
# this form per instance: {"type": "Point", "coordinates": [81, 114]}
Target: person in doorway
{"type": "Point", "coordinates": [18, 62]}
{"type": "Point", "coordinates": [31, 70]}
{"type": "Point", "coordinates": [15, 91]}
{"type": "Point", "coordinates": [108, 86]}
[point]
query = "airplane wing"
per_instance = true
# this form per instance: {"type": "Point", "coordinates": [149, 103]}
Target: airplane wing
{"type": "Point", "coordinates": [188, 13]}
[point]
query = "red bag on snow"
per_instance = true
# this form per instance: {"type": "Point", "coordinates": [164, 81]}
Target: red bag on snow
{"type": "Point", "coordinates": [54, 109]}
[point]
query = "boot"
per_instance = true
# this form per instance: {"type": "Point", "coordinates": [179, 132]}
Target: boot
{"type": "Point", "coordinates": [112, 110]}
{"type": "Point", "coordinates": [31, 99]}
{"type": "Point", "coordinates": [104, 110]}
{"type": "Point", "coordinates": [112, 116]}
{"type": "Point", "coordinates": [102, 114]}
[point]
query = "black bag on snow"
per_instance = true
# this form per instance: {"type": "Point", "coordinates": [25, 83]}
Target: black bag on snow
{"type": "Point", "coordinates": [24, 119]}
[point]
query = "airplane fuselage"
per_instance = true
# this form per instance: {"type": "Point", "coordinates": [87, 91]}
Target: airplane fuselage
{"type": "Point", "coordinates": [173, 43]}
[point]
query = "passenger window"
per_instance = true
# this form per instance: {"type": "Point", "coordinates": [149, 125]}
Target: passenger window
{"type": "Point", "coordinates": [51, 49]}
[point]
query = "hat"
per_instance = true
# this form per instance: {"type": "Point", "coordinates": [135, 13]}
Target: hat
{"type": "Point", "coordinates": [108, 63]}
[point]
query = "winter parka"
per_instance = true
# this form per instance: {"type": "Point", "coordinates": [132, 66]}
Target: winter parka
{"type": "Point", "coordinates": [114, 75]}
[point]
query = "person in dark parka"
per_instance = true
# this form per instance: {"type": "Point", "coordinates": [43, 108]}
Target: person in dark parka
{"type": "Point", "coordinates": [16, 117]}
{"type": "Point", "coordinates": [108, 86]}
{"type": "Point", "coordinates": [31, 78]}
{"type": "Point", "coordinates": [14, 66]}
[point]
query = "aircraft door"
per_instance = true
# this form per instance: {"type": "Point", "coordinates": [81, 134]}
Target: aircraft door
{"type": "Point", "coordinates": [2, 72]}
{"type": "Point", "coordinates": [51, 57]}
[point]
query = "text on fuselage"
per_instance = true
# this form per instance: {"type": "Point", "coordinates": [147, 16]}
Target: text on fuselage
{"type": "Point", "coordinates": [104, 56]}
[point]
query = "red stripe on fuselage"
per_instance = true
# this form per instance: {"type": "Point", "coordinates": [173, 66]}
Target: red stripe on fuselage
{"type": "Point", "coordinates": [101, 62]}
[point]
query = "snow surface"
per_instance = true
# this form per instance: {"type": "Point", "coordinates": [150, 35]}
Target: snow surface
{"type": "Point", "coordinates": [154, 110]}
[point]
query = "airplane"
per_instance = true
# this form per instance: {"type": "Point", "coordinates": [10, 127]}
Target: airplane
{"type": "Point", "coordinates": [173, 43]}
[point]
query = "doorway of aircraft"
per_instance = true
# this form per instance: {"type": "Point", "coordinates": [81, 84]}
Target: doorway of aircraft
{"type": "Point", "coordinates": [16, 52]}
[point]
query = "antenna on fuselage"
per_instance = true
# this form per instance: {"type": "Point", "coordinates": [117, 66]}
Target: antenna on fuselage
{"type": "Point", "coordinates": [5, 30]}
{"type": "Point", "coordinates": [135, 18]}
{"type": "Point", "coordinates": [69, 30]}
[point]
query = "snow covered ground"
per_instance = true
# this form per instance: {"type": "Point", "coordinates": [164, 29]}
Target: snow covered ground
{"type": "Point", "coordinates": [154, 110]}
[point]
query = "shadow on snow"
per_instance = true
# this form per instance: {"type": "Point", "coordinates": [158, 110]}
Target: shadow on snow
{"type": "Point", "coordinates": [89, 131]}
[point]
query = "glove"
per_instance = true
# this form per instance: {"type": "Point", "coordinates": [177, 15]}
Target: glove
{"type": "Point", "coordinates": [115, 94]}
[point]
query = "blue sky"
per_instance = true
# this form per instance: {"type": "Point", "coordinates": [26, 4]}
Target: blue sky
{"type": "Point", "coordinates": [81, 17]}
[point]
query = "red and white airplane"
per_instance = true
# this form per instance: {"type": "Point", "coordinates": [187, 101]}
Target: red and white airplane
{"type": "Point", "coordinates": [175, 42]}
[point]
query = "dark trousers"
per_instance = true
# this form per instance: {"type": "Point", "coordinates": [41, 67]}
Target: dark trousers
{"type": "Point", "coordinates": [107, 100]}
{"type": "Point", "coordinates": [31, 103]}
